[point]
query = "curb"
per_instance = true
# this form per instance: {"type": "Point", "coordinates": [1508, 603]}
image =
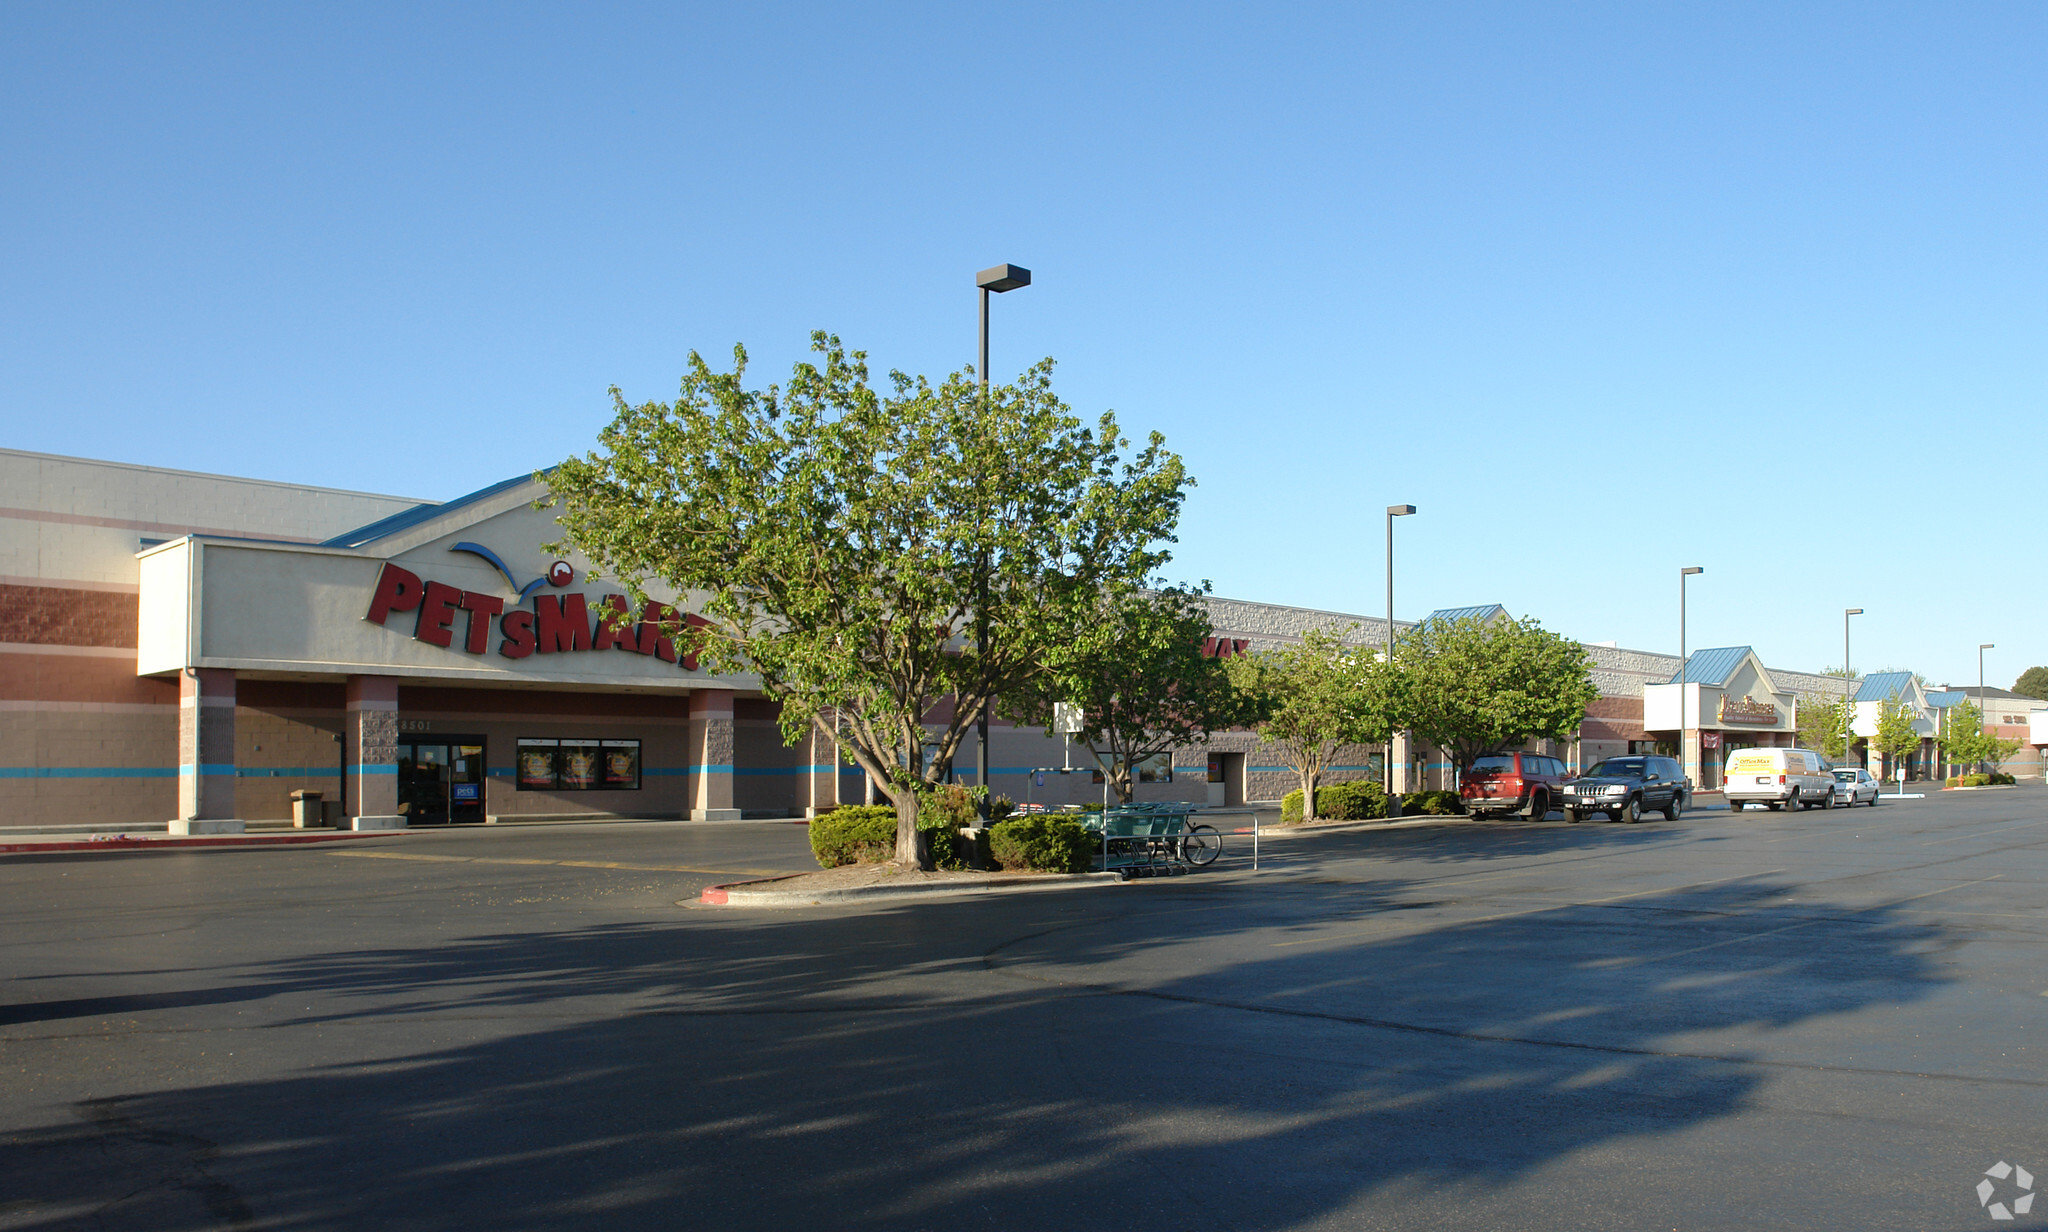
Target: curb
{"type": "Point", "coordinates": [124, 843]}
{"type": "Point", "coordinates": [742, 893]}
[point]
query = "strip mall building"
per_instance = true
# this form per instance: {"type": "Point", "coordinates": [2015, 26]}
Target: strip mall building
{"type": "Point", "coordinates": [198, 648]}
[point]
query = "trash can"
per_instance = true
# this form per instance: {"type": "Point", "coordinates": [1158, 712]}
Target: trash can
{"type": "Point", "coordinates": [306, 809]}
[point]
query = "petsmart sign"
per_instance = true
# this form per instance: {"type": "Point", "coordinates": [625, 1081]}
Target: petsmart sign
{"type": "Point", "coordinates": [534, 624]}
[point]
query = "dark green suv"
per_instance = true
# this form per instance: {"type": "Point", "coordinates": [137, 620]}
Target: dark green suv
{"type": "Point", "coordinates": [1625, 788]}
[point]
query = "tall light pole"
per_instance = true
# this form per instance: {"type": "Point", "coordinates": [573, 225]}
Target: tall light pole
{"type": "Point", "coordinates": [1693, 770]}
{"type": "Point", "coordinates": [1983, 702]}
{"type": "Point", "coordinates": [995, 279]}
{"type": "Point", "coordinates": [1848, 678]}
{"type": "Point", "coordinates": [1387, 768]}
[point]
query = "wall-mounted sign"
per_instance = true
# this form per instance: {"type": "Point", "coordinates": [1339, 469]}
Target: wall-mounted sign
{"type": "Point", "coordinates": [1710, 740]}
{"type": "Point", "coordinates": [555, 624]}
{"type": "Point", "coordinates": [1749, 711]}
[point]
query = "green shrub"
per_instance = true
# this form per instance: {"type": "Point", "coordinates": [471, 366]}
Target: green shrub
{"type": "Point", "coordinates": [2000, 778]}
{"type": "Point", "coordinates": [1042, 844]}
{"type": "Point", "coordinates": [854, 834]}
{"type": "Point", "coordinates": [866, 834]}
{"type": "Point", "coordinates": [1433, 803]}
{"type": "Point", "coordinates": [1351, 800]}
{"type": "Point", "coordinates": [1972, 780]}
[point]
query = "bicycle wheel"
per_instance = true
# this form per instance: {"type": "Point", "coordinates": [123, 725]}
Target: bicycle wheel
{"type": "Point", "coordinates": [1201, 845]}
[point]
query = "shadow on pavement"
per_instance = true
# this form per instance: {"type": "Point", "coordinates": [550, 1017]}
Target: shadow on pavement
{"type": "Point", "coordinates": [1149, 1058]}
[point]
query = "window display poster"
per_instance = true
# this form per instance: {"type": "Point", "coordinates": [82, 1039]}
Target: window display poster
{"type": "Point", "coordinates": [579, 765]}
{"type": "Point", "coordinates": [621, 764]}
{"type": "Point", "coordinates": [537, 765]}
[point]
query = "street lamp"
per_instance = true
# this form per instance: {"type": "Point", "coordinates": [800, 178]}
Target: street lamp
{"type": "Point", "coordinates": [996, 279]}
{"type": "Point", "coordinates": [1848, 677]}
{"type": "Point", "coordinates": [1387, 768]}
{"type": "Point", "coordinates": [1983, 702]}
{"type": "Point", "coordinates": [1693, 770]}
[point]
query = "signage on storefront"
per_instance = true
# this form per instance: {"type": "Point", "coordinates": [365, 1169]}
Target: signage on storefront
{"type": "Point", "coordinates": [1710, 740]}
{"type": "Point", "coordinates": [1749, 711]}
{"type": "Point", "coordinates": [554, 624]}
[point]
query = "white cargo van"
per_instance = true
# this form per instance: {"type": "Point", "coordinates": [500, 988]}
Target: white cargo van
{"type": "Point", "coordinates": [1779, 778]}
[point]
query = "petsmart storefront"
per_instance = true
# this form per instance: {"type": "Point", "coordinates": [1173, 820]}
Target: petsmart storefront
{"type": "Point", "coordinates": [438, 666]}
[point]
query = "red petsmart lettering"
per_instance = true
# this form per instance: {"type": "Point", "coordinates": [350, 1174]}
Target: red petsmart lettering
{"type": "Point", "coordinates": [556, 624]}
{"type": "Point", "coordinates": [562, 624]}
{"type": "Point", "coordinates": [398, 590]}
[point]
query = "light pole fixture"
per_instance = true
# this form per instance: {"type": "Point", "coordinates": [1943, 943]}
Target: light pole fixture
{"type": "Point", "coordinates": [1387, 767]}
{"type": "Point", "coordinates": [1693, 770]}
{"type": "Point", "coordinates": [1848, 678]}
{"type": "Point", "coordinates": [997, 279]}
{"type": "Point", "coordinates": [1983, 702]}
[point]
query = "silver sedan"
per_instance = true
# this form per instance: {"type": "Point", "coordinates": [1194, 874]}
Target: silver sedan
{"type": "Point", "coordinates": [1854, 787]}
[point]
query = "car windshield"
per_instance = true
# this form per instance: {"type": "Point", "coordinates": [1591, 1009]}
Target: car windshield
{"type": "Point", "coordinates": [1845, 776]}
{"type": "Point", "coordinates": [1618, 767]}
{"type": "Point", "coordinates": [1493, 765]}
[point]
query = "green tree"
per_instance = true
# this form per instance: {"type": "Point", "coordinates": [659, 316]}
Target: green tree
{"type": "Point", "coordinates": [1965, 742]}
{"type": "Point", "coordinates": [870, 554]}
{"type": "Point", "coordinates": [1317, 696]}
{"type": "Point", "coordinates": [2032, 683]}
{"type": "Point", "coordinates": [1895, 737]}
{"type": "Point", "coordinates": [1474, 687]}
{"type": "Point", "coordinates": [1139, 673]}
{"type": "Point", "coordinates": [1824, 727]}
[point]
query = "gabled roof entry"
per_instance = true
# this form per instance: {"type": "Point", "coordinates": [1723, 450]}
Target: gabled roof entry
{"type": "Point", "coordinates": [1484, 612]}
{"type": "Point", "coordinates": [1883, 686]}
{"type": "Point", "coordinates": [1712, 667]}
{"type": "Point", "coordinates": [407, 518]}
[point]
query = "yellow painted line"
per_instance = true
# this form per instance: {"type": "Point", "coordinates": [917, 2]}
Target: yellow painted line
{"type": "Point", "coordinates": [1509, 915]}
{"type": "Point", "coordinates": [631, 868]}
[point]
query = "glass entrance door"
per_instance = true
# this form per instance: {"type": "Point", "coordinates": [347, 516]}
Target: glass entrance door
{"type": "Point", "coordinates": [441, 780]}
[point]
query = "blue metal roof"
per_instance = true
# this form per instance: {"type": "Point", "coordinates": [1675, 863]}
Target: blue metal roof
{"type": "Point", "coordinates": [1883, 686]}
{"type": "Point", "coordinates": [1942, 701]}
{"type": "Point", "coordinates": [1484, 612]}
{"type": "Point", "coordinates": [1712, 666]}
{"type": "Point", "coordinates": [407, 518]}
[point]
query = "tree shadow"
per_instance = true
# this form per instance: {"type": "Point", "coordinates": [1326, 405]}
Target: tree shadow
{"type": "Point", "coordinates": [1150, 1057]}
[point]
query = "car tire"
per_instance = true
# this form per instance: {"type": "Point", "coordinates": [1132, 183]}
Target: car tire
{"type": "Point", "coordinates": [1673, 810]}
{"type": "Point", "coordinates": [1827, 802]}
{"type": "Point", "coordinates": [1874, 798]}
{"type": "Point", "coordinates": [1574, 816]}
{"type": "Point", "coordinates": [1632, 812]}
{"type": "Point", "coordinates": [1539, 807]}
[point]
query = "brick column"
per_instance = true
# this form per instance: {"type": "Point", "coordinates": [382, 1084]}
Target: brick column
{"type": "Point", "coordinates": [206, 753]}
{"type": "Point", "coordinates": [1402, 757]}
{"type": "Point", "coordinates": [370, 733]}
{"type": "Point", "coordinates": [711, 745]}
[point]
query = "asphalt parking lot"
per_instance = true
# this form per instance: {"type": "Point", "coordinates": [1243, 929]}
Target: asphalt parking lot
{"type": "Point", "coordinates": [1751, 1020]}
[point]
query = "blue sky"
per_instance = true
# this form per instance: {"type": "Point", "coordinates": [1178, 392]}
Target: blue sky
{"type": "Point", "coordinates": [1604, 290]}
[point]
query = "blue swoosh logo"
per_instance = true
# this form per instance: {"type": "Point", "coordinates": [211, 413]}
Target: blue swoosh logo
{"type": "Point", "coordinates": [478, 549]}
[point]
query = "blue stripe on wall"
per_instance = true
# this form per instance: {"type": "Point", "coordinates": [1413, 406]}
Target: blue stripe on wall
{"type": "Point", "coordinates": [88, 772]}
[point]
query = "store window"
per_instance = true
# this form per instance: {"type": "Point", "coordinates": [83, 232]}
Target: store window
{"type": "Point", "coordinates": [577, 764]}
{"type": "Point", "coordinates": [1157, 768]}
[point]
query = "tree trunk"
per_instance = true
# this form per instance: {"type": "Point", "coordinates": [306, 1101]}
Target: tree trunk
{"type": "Point", "coordinates": [1120, 780]}
{"type": "Point", "coordinates": [913, 850]}
{"type": "Point", "coordinates": [1308, 795]}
